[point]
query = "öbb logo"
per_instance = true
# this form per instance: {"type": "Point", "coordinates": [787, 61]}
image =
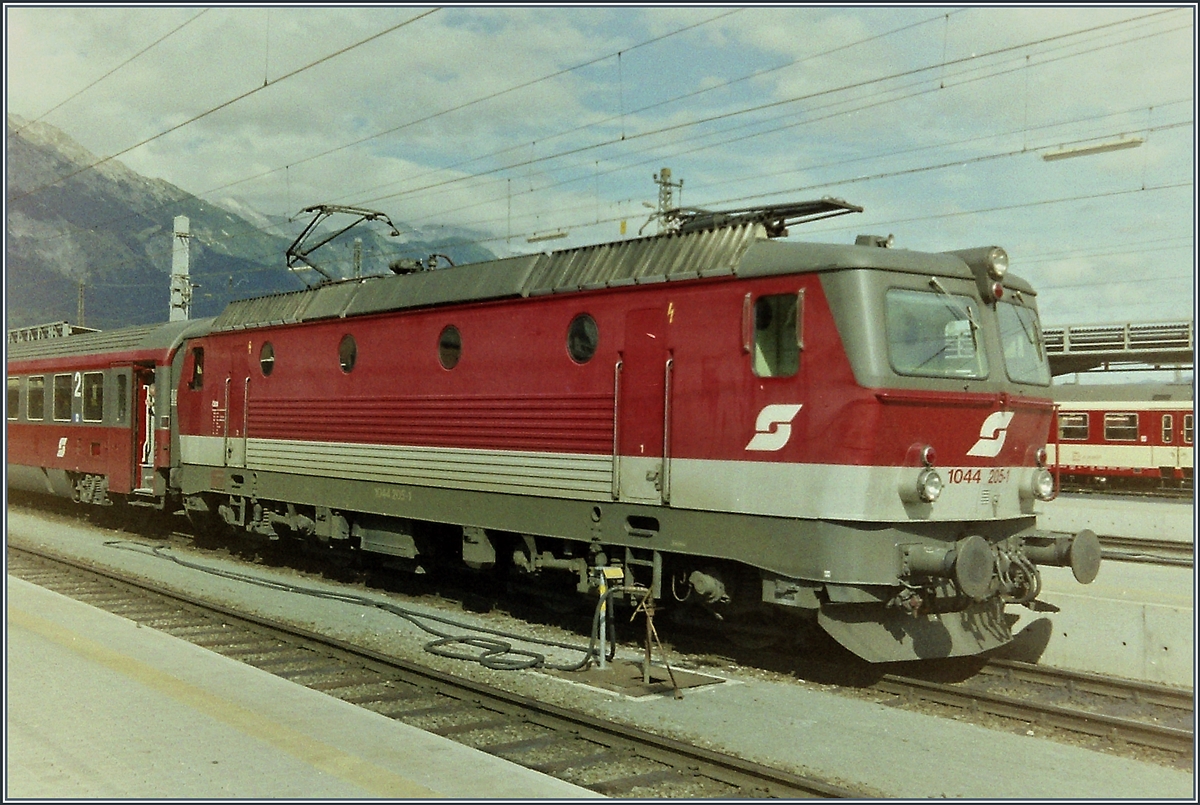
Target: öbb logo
{"type": "Point", "coordinates": [992, 435]}
{"type": "Point", "coordinates": [774, 427]}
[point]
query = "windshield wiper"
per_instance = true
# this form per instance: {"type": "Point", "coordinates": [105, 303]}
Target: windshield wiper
{"type": "Point", "coordinates": [956, 308]}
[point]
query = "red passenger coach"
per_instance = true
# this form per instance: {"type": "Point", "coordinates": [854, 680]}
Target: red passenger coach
{"type": "Point", "coordinates": [89, 415]}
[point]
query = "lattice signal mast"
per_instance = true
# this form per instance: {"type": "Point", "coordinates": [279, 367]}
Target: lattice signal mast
{"type": "Point", "coordinates": [666, 195]}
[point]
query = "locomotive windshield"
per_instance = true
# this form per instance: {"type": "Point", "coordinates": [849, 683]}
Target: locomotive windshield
{"type": "Point", "coordinates": [934, 335]}
{"type": "Point", "coordinates": [1024, 352]}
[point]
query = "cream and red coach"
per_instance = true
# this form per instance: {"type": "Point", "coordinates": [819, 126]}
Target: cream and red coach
{"type": "Point", "coordinates": [766, 434]}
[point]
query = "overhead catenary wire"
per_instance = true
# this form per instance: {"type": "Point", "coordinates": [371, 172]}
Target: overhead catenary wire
{"type": "Point", "coordinates": [552, 156]}
{"type": "Point", "coordinates": [491, 96]}
{"type": "Point", "coordinates": [593, 218]}
{"type": "Point", "coordinates": [84, 89]}
{"type": "Point", "coordinates": [223, 105]}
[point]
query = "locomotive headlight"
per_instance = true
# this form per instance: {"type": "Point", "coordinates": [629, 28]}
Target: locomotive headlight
{"type": "Point", "coordinates": [1043, 484]}
{"type": "Point", "coordinates": [996, 262]}
{"type": "Point", "coordinates": [1039, 484]}
{"type": "Point", "coordinates": [929, 485]}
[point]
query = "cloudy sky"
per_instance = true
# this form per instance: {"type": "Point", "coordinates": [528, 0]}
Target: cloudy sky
{"type": "Point", "coordinates": [516, 123]}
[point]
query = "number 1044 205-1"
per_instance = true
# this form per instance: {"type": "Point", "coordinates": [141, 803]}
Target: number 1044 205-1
{"type": "Point", "coordinates": [961, 475]}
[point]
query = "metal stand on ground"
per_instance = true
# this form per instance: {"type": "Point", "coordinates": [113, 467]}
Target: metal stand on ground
{"type": "Point", "coordinates": [647, 607]}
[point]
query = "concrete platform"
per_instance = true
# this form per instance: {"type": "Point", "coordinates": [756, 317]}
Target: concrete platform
{"type": "Point", "coordinates": [98, 707]}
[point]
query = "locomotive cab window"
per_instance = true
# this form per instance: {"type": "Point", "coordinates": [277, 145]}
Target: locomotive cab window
{"type": "Point", "coordinates": [1121, 427]}
{"type": "Point", "coordinates": [1024, 353]}
{"type": "Point", "coordinates": [934, 335]}
{"type": "Point", "coordinates": [35, 398]}
{"type": "Point", "coordinates": [93, 397]}
{"type": "Point", "coordinates": [14, 397]}
{"type": "Point", "coordinates": [1168, 428]}
{"type": "Point", "coordinates": [777, 335]}
{"type": "Point", "coordinates": [62, 398]}
{"type": "Point", "coordinates": [1073, 427]}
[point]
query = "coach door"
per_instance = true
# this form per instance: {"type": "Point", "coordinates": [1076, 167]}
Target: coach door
{"type": "Point", "coordinates": [643, 409]}
{"type": "Point", "coordinates": [144, 412]}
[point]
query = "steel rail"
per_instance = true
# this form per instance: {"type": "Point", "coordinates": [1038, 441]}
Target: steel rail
{"type": "Point", "coordinates": [1045, 714]}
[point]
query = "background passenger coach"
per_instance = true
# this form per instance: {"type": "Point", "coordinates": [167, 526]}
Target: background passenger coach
{"type": "Point", "coordinates": [768, 436]}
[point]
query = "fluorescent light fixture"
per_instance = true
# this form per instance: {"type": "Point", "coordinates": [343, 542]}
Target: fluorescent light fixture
{"type": "Point", "coordinates": [562, 233]}
{"type": "Point", "coordinates": [1087, 150]}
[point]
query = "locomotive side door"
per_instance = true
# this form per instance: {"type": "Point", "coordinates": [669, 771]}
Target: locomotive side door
{"type": "Point", "coordinates": [643, 409]}
{"type": "Point", "coordinates": [237, 400]}
{"type": "Point", "coordinates": [236, 395]}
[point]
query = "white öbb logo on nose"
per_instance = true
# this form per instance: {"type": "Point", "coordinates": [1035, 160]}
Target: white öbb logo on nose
{"type": "Point", "coordinates": [992, 435]}
{"type": "Point", "coordinates": [774, 427]}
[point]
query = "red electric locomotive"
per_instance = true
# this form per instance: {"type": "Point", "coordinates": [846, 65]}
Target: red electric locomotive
{"type": "Point", "coordinates": [1124, 436]}
{"type": "Point", "coordinates": [764, 434]}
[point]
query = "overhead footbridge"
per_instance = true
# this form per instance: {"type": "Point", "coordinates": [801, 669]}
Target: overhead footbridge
{"type": "Point", "coordinates": [1083, 347]}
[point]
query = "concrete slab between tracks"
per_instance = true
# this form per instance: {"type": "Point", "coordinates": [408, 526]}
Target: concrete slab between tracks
{"type": "Point", "coordinates": [1170, 520]}
{"type": "Point", "coordinates": [1135, 621]}
{"type": "Point", "coordinates": [98, 707]}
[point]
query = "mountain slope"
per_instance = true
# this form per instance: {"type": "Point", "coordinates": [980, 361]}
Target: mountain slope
{"type": "Point", "coordinates": [110, 229]}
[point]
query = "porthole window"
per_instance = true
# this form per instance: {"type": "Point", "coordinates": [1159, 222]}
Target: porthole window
{"type": "Point", "coordinates": [347, 353]}
{"type": "Point", "coordinates": [266, 358]}
{"type": "Point", "coordinates": [449, 347]}
{"type": "Point", "coordinates": [582, 338]}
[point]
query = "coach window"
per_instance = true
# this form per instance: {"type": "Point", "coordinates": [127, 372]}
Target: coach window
{"type": "Point", "coordinates": [93, 397]}
{"type": "Point", "coordinates": [582, 338]}
{"type": "Point", "coordinates": [62, 398]}
{"type": "Point", "coordinates": [1073, 427]}
{"type": "Point", "coordinates": [14, 397]}
{"type": "Point", "coordinates": [449, 347]}
{"type": "Point", "coordinates": [35, 398]}
{"type": "Point", "coordinates": [1187, 428]}
{"type": "Point", "coordinates": [1121, 427]}
{"type": "Point", "coordinates": [122, 397]}
{"type": "Point", "coordinates": [776, 336]}
{"type": "Point", "coordinates": [347, 353]}
{"type": "Point", "coordinates": [197, 381]}
{"type": "Point", "coordinates": [266, 358]}
{"type": "Point", "coordinates": [1168, 430]}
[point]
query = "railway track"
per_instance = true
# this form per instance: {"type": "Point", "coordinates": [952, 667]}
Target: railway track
{"type": "Point", "coordinates": [1147, 551]}
{"type": "Point", "coordinates": [1120, 711]}
{"type": "Point", "coordinates": [608, 758]}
